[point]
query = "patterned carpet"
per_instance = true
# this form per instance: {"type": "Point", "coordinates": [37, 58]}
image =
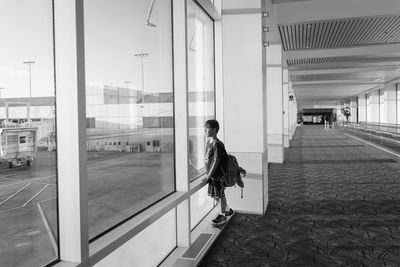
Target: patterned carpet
{"type": "Point", "coordinates": [335, 202]}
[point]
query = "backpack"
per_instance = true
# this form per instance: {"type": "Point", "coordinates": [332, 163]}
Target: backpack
{"type": "Point", "coordinates": [232, 171]}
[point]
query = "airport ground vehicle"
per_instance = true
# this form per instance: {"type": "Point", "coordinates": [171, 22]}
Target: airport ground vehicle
{"type": "Point", "coordinates": [18, 145]}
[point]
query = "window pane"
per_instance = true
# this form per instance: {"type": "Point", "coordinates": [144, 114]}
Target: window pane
{"type": "Point", "coordinates": [200, 41]}
{"type": "Point", "coordinates": [200, 205]}
{"type": "Point", "coordinates": [28, 204]}
{"type": "Point", "coordinates": [129, 108]}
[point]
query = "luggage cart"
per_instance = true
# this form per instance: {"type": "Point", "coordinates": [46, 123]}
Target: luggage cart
{"type": "Point", "coordinates": [18, 146]}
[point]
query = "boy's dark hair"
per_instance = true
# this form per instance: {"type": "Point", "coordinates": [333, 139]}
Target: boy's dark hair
{"type": "Point", "coordinates": [213, 124]}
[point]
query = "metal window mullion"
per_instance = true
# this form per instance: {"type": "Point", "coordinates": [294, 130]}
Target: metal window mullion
{"type": "Point", "coordinates": [181, 118]}
{"type": "Point", "coordinates": [71, 131]}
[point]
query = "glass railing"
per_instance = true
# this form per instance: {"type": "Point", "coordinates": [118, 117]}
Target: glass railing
{"type": "Point", "coordinates": [383, 134]}
{"type": "Point", "coordinates": [381, 127]}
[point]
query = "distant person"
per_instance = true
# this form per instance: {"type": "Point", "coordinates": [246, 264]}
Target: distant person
{"type": "Point", "coordinates": [214, 152]}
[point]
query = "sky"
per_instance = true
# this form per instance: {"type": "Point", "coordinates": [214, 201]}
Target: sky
{"type": "Point", "coordinates": [26, 34]}
{"type": "Point", "coordinates": [115, 31]}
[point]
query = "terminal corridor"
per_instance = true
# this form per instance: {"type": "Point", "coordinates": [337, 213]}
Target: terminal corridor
{"type": "Point", "coordinates": [334, 202]}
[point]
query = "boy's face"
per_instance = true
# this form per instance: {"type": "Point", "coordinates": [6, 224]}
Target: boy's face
{"type": "Point", "coordinates": [210, 132]}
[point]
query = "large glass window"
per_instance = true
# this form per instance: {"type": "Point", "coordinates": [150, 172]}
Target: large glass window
{"type": "Point", "coordinates": [200, 42]}
{"type": "Point", "coordinates": [28, 204]}
{"type": "Point", "coordinates": [129, 108]}
{"type": "Point", "coordinates": [200, 205]}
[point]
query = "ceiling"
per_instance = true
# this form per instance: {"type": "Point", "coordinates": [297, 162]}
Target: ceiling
{"type": "Point", "coordinates": [335, 52]}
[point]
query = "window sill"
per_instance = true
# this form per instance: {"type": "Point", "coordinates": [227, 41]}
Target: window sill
{"type": "Point", "coordinates": [197, 184]}
{"type": "Point", "coordinates": [106, 244]}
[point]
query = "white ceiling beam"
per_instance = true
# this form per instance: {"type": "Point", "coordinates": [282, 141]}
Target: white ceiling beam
{"type": "Point", "coordinates": [344, 70]}
{"type": "Point", "coordinates": [392, 50]}
{"type": "Point", "coordinates": [346, 65]}
{"type": "Point", "coordinates": [314, 10]}
{"type": "Point", "coordinates": [335, 83]}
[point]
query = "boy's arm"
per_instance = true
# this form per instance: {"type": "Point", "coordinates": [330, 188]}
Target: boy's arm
{"type": "Point", "coordinates": [216, 160]}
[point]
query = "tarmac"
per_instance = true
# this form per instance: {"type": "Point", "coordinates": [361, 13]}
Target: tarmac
{"type": "Point", "coordinates": [120, 184]}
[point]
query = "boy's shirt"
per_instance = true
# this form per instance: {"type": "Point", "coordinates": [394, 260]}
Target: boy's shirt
{"type": "Point", "coordinates": [214, 151]}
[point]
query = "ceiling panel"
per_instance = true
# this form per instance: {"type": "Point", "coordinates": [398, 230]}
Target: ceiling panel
{"type": "Point", "coordinates": [320, 60]}
{"type": "Point", "coordinates": [368, 65]}
{"type": "Point", "coordinates": [348, 32]}
{"type": "Point", "coordinates": [339, 76]}
{"type": "Point", "coordinates": [340, 59]}
{"type": "Point", "coordinates": [328, 92]}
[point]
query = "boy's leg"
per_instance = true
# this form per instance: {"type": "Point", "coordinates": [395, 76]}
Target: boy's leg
{"type": "Point", "coordinates": [223, 205]}
{"type": "Point", "coordinates": [225, 209]}
{"type": "Point", "coordinates": [221, 218]}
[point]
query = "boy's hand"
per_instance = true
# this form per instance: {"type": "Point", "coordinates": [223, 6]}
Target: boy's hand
{"type": "Point", "coordinates": [243, 172]}
{"type": "Point", "coordinates": [205, 179]}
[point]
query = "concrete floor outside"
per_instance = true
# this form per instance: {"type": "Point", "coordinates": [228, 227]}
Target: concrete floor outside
{"type": "Point", "coordinates": [120, 185]}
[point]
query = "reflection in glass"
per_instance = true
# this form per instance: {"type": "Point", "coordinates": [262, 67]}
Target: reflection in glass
{"type": "Point", "coordinates": [28, 204]}
{"type": "Point", "coordinates": [200, 205]}
{"type": "Point", "coordinates": [129, 108]}
{"type": "Point", "coordinates": [200, 29]}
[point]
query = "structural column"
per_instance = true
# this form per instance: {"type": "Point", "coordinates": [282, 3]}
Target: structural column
{"type": "Point", "coordinates": [362, 108]}
{"type": "Point", "coordinates": [245, 101]}
{"type": "Point", "coordinates": [71, 113]}
{"type": "Point", "coordinates": [373, 106]}
{"type": "Point", "coordinates": [390, 104]}
{"type": "Point", "coordinates": [181, 121]}
{"type": "Point", "coordinates": [275, 103]}
{"type": "Point", "coordinates": [286, 108]}
{"type": "Point", "coordinates": [293, 115]}
{"type": "Point", "coordinates": [353, 110]}
{"type": "Point", "coordinates": [339, 115]}
{"type": "Point", "coordinates": [292, 112]}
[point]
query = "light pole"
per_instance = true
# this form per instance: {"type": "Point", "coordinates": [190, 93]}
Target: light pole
{"type": "Point", "coordinates": [142, 55]}
{"type": "Point", "coordinates": [29, 63]}
{"type": "Point", "coordinates": [127, 84]}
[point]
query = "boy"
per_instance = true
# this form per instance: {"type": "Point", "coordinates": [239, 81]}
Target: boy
{"type": "Point", "coordinates": [215, 150]}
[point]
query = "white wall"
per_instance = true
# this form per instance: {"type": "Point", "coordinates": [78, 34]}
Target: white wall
{"type": "Point", "coordinates": [159, 238]}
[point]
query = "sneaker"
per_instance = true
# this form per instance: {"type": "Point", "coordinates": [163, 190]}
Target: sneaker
{"type": "Point", "coordinates": [229, 213]}
{"type": "Point", "coordinates": [220, 219]}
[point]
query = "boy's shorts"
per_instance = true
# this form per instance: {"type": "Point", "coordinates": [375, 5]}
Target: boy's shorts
{"type": "Point", "coordinates": [215, 189]}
